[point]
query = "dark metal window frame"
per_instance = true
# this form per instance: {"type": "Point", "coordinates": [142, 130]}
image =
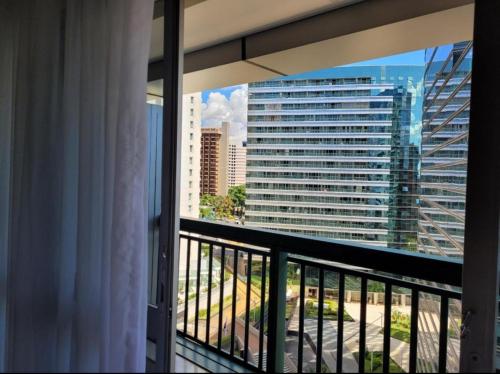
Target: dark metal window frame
{"type": "Point", "coordinates": [482, 218]}
{"type": "Point", "coordinates": [162, 317]}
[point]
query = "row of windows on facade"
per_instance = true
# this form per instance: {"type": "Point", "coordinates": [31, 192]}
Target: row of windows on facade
{"type": "Point", "coordinates": [362, 93]}
{"type": "Point", "coordinates": [451, 179]}
{"type": "Point", "coordinates": [325, 176]}
{"type": "Point", "coordinates": [369, 200]}
{"type": "Point", "coordinates": [343, 153]}
{"type": "Point", "coordinates": [321, 141]}
{"type": "Point", "coordinates": [348, 164]}
{"type": "Point", "coordinates": [307, 230]}
{"type": "Point", "coordinates": [314, 187]}
{"type": "Point", "coordinates": [320, 117]}
{"type": "Point", "coordinates": [327, 128]}
{"type": "Point", "coordinates": [326, 122]}
{"type": "Point", "coordinates": [308, 106]}
{"type": "Point", "coordinates": [312, 94]}
{"type": "Point", "coordinates": [378, 202]}
{"type": "Point", "coordinates": [191, 138]}
{"type": "Point", "coordinates": [317, 82]}
{"type": "Point", "coordinates": [313, 82]}
{"type": "Point", "coordinates": [311, 224]}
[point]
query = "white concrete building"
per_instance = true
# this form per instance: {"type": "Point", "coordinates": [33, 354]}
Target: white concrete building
{"type": "Point", "coordinates": [190, 161]}
{"type": "Point", "coordinates": [237, 158]}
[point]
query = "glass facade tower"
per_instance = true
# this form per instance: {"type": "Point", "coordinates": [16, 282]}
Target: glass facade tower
{"type": "Point", "coordinates": [443, 172]}
{"type": "Point", "coordinates": [445, 125]}
{"type": "Point", "coordinates": [333, 154]}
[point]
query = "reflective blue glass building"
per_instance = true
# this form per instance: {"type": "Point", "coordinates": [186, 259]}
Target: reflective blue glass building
{"type": "Point", "coordinates": [445, 130]}
{"type": "Point", "coordinates": [334, 153]}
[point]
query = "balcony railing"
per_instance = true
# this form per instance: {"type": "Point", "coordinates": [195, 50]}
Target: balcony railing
{"type": "Point", "coordinates": [284, 302]}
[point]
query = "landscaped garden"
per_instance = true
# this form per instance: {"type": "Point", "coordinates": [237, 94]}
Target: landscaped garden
{"type": "Point", "coordinates": [400, 326]}
{"type": "Point", "coordinates": [374, 363]}
{"type": "Point", "coordinates": [330, 310]}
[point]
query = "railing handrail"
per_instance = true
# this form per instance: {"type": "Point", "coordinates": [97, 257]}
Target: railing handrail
{"type": "Point", "coordinates": [404, 263]}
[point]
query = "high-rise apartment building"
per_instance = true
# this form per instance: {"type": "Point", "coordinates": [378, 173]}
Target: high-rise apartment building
{"type": "Point", "coordinates": [209, 161]}
{"type": "Point", "coordinates": [223, 159]}
{"type": "Point", "coordinates": [190, 161]}
{"type": "Point", "coordinates": [445, 129]}
{"type": "Point", "coordinates": [236, 165]}
{"type": "Point", "coordinates": [331, 154]}
{"type": "Point", "coordinates": [223, 162]}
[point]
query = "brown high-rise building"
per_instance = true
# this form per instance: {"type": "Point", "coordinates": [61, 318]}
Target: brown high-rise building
{"type": "Point", "coordinates": [210, 161]}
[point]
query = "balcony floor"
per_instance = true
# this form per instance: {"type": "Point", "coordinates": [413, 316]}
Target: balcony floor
{"type": "Point", "coordinates": [184, 366]}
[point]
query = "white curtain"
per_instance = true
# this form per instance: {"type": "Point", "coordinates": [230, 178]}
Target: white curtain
{"type": "Point", "coordinates": [73, 234]}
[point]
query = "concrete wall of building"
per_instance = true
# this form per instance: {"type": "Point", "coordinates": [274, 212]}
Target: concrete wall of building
{"type": "Point", "coordinates": [190, 155]}
{"type": "Point", "coordinates": [237, 158]}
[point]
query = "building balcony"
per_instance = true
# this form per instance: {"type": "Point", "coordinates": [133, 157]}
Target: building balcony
{"type": "Point", "coordinates": [277, 87]}
{"type": "Point", "coordinates": [248, 297]}
{"type": "Point", "coordinates": [320, 98]}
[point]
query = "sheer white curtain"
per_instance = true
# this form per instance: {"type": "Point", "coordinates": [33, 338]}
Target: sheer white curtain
{"type": "Point", "coordinates": [73, 273]}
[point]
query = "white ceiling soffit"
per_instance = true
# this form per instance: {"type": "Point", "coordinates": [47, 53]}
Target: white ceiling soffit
{"type": "Point", "coordinates": [449, 26]}
{"type": "Point", "coordinates": [215, 21]}
{"type": "Point", "coordinates": [212, 22]}
{"type": "Point", "coordinates": [434, 29]}
{"type": "Point", "coordinates": [365, 30]}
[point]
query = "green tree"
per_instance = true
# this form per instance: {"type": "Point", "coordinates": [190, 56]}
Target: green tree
{"type": "Point", "coordinates": [216, 207]}
{"type": "Point", "coordinates": [223, 207]}
{"type": "Point", "coordinates": [207, 212]}
{"type": "Point", "coordinates": [238, 195]}
{"type": "Point", "coordinates": [207, 200]}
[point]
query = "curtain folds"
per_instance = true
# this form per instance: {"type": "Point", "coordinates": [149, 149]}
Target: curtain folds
{"type": "Point", "coordinates": [73, 230]}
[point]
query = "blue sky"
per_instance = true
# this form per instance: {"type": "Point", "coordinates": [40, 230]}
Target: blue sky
{"type": "Point", "coordinates": [409, 58]}
{"type": "Point", "coordinates": [226, 91]}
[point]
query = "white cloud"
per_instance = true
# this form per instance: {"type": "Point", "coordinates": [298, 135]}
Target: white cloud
{"type": "Point", "coordinates": [219, 109]}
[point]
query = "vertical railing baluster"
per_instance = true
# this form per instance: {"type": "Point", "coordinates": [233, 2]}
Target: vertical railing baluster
{"type": "Point", "coordinates": [221, 296]}
{"type": "Point", "coordinates": [414, 331]}
{"type": "Point", "coordinates": [387, 327]}
{"type": "Point", "coordinates": [340, 321]}
{"type": "Point", "coordinates": [443, 334]}
{"type": "Point", "coordinates": [247, 306]}
{"type": "Point", "coordinates": [277, 310]}
{"type": "Point", "coordinates": [233, 306]}
{"type": "Point", "coordinates": [319, 343]}
{"type": "Point", "coordinates": [262, 311]}
{"type": "Point", "coordinates": [209, 296]}
{"type": "Point", "coordinates": [302, 297]}
{"type": "Point", "coordinates": [186, 299]}
{"type": "Point", "coordinates": [362, 325]}
{"type": "Point", "coordinates": [197, 306]}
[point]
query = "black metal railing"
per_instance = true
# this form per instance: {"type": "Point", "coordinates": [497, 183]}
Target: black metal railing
{"type": "Point", "coordinates": [283, 302]}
